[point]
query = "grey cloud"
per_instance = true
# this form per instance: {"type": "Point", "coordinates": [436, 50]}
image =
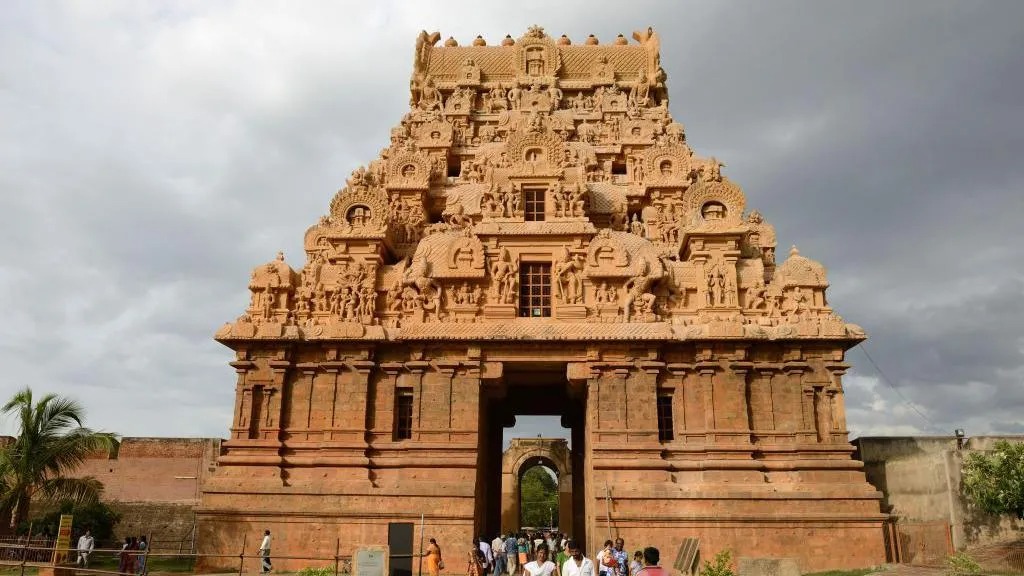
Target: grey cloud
{"type": "Point", "coordinates": [153, 154]}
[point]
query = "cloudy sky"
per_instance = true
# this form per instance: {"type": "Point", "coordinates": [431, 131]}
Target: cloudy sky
{"type": "Point", "coordinates": [152, 153]}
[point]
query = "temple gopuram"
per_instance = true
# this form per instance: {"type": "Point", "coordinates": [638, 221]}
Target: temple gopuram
{"type": "Point", "coordinates": [540, 239]}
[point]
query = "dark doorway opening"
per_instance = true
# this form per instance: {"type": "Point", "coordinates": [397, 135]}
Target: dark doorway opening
{"type": "Point", "coordinates": [530, 389]}
{"type": "Point", "coordinates": [400, 545]}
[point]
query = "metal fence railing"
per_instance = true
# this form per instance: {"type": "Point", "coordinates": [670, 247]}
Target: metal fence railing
{"type": "Point", "coordinates": [37, 552]}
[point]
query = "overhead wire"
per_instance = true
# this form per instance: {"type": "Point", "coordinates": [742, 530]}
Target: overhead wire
{"type": "Point", "coordinates": [885, 379]}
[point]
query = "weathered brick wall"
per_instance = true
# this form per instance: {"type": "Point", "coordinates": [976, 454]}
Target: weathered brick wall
{"type": "Point", "coordinates": [151, 470]}
{"type": "Point", "coordinates": [153, 483]}
{"type": "Point", "coordinates": [920, 480]}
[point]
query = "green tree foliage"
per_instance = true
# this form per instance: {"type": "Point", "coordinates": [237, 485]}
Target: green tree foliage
{"type": "Point", "coordinates": [51, 444]}
{"type": "Point", "coordinates": [994, 481]}
{"type": "Point", "coordinates": [721, 566]}
{"type": "Point", "coordinates": [94, 516]}
{"type": "Point", "coordinates": [538, 493]}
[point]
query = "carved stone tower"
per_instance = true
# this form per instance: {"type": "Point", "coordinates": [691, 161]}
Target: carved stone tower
{"type": "Point", "coordinates": [539, 238]}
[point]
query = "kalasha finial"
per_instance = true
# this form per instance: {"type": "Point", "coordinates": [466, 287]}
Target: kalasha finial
{"type": "Point", "coordinates": [793, 251]}
{"type": "Point", "coordinates": [563, 40]}
{"type": "Point", "coordinates": [508, 41]}
{"type": "Point", "coordinates": [535, 31]}
{"type": "Point", "coordinates": [621, 40]}
{"type": "Point", "coordinates": [591, 40]}
{"type": "Point", "coordinates": [450, 42]}
{"type": "Point", "coordinates": [479, 41]}
{"type": "Point", "coordinates": [280, 255]}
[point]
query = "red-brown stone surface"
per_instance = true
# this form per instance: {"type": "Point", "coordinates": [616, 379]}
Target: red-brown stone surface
{"type": "Point", "coordinates": [545, 168]}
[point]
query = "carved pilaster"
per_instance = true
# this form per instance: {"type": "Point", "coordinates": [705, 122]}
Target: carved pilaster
{"type": "Point", "coordinates": [685, 400]}
{"type": "Point", "coordinates": [302, 393]}
{"type": "Point", "coordinates": [742, 370]}
{"type": "Point", "coordinates": [275, 398]}
{"type": "Point", "coordinates": [446, 371]}
{"type": "Point", "coordinates": [642, 401]}
{"type": "Point", "coordinates": [706, 377]}
{"type": "Point", "coordinates": [337, 399]}
{"type": "Point", "coordinates": [357, 398]}
{"type": "Point", "coordinates": [383, 417]}
{"type": "Point", "coordinates": [793, 402]}
{"type": "Point", "coordinates": [243, 401]}
{"type": "Point", "coordinates": [838, 402]}
{"type": "Point", "coordinates": [417, 371]}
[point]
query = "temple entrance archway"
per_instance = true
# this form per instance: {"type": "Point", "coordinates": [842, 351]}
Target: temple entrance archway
{"type": "Point", "coordinates": [522, 455]}
{"type": "Point", "coordinates": [531, 389]}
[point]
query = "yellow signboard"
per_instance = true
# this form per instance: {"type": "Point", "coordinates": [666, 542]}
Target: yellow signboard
{"type": "Point", "coordinates": [60, 549]}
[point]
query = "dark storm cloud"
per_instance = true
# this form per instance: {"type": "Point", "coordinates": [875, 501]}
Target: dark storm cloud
{"type": "Point", "coordinates": [153, 154]}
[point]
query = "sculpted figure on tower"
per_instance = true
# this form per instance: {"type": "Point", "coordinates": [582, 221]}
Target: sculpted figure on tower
{"type": "Point", "coordinates": [556, 145]}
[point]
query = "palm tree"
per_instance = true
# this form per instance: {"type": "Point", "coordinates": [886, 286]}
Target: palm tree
{"type": "Point", "coordinates": [51, 445]}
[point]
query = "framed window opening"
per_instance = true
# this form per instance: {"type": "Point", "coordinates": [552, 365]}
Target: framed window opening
{"type": "Point", "coordinates": [666, 429]}
{"type": "Point", "coordinates": [534, 290]}
{"type": "Point", "coordinates": [403, 413]}
{"type": "Point", "coordinates": [533, 204]}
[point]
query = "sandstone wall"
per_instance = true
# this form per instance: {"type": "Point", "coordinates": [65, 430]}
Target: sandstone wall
{"type": "Point", "coordinates": [154, 483]}
{"type": "Point", "coordinates": [920, 478]}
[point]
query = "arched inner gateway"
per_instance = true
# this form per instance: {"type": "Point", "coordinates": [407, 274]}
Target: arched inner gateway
{"type": "Point", "coordinates": [538, 494]}
{"type": "Point", "coordinates": [532, 389]}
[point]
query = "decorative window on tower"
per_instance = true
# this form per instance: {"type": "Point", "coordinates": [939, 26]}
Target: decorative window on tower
{"type": "Point", "coordinates": [403, 413]}
{"type": "Point", "coordinates": [533, 204]}
{"type": "Point", "coordinates": [665, 426]}
{"type": "Point", "coordinates": [535, 290]}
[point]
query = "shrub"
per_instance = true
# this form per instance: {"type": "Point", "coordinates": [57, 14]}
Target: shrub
{"type": "Point", "coordinates": [721, 566]}
{"type": "Point", "coordinates": [322, 571]}
{"type": "Point", "coordinates": [960, 564]}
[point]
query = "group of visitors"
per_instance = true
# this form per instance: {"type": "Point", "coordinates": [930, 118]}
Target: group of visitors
{"type": "Point", "coordinates": [548, 554]}
{"type": "Point", "coordinates": [132, 557]}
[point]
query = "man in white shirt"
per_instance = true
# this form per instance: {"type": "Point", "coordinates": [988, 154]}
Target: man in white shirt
{"type": "Point", "coordinates": [265, 566]}
{"type": "Point", "coordinates": [498, 550]}
{"type": "Point", "coordinates": [485, 548]}
{"type": "Point", "coordinates": [577, 564]}
{"type": "Point", "coordinates": [85, 545]}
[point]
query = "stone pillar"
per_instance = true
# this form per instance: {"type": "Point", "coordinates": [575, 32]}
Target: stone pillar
{"type": "Point", "coordinates": [838, 403]}
{"type": "Point", "coordinates": [333, 371]}
{"type": "Point", "coordinates": [243, 400]}
{"type": "Point", "coordinates": [680, 418]}
{"type": "Point", "coordinates": [276, 400]}
{"type": "Point", "coordinates": [302, 428]}
{"type": "Point", "coordinates": [706, 371]}
{"type": "Point", "coordinates": [443, 403]}
{"type": "Point", "coordinates": [742, 422]}
{"type": "Point", "coordinates": [796, 404]}
{"type": "Point", "coordinates": [417, 372]}
{"type": "Point", "coordinates": [642, 402]}
{"type": "Point", "coordinates": [762, 398]}
{"type": "Point", "coordinates": [383, 417]}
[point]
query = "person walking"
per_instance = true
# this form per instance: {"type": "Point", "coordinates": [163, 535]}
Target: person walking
{"type": "Point", "coordinates": [606, 564]}
{"type": "Point", "coordinates": [485, 549]}
{"type": "Point", "coordinates": [123, 556]}
{"type": "Point", "coordinates": [433, 556]}
{"type": "Point", "coordinates": [541, 566]}
{"type": "Point", "coordinates": [140, 560]}
{"type": "Point", "coordinates": [576, 564]}
{"type": "Point", "coordinates": [265, 564]}
{"type": "Point", "coordinates": [651, 568]}
{"type": "Point", "coordinates": [498, 551]}
{"type": "Point", "coordinates": [512, 554]}
{"type": "Point", "coordinates": [621, 557]}
{"type": "Point", "coordinates": [475, 563]}
{"type": "Point", "coordinates": [85, 546]}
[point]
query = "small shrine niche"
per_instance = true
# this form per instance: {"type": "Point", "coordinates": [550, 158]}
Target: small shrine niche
{"type": "Point", "coordinates": [358, 216]}
{"type": "Point", "coordinates": [713, 210]}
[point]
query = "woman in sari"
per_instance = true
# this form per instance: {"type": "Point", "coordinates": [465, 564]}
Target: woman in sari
{"type": "Point", "coordinates": [433, 555]}
{"type": "Point", "coordinates": [124, 557]}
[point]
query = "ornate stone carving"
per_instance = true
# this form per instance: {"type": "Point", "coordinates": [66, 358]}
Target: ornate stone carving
{"type": "Point", "coordinates": [537, 56]}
